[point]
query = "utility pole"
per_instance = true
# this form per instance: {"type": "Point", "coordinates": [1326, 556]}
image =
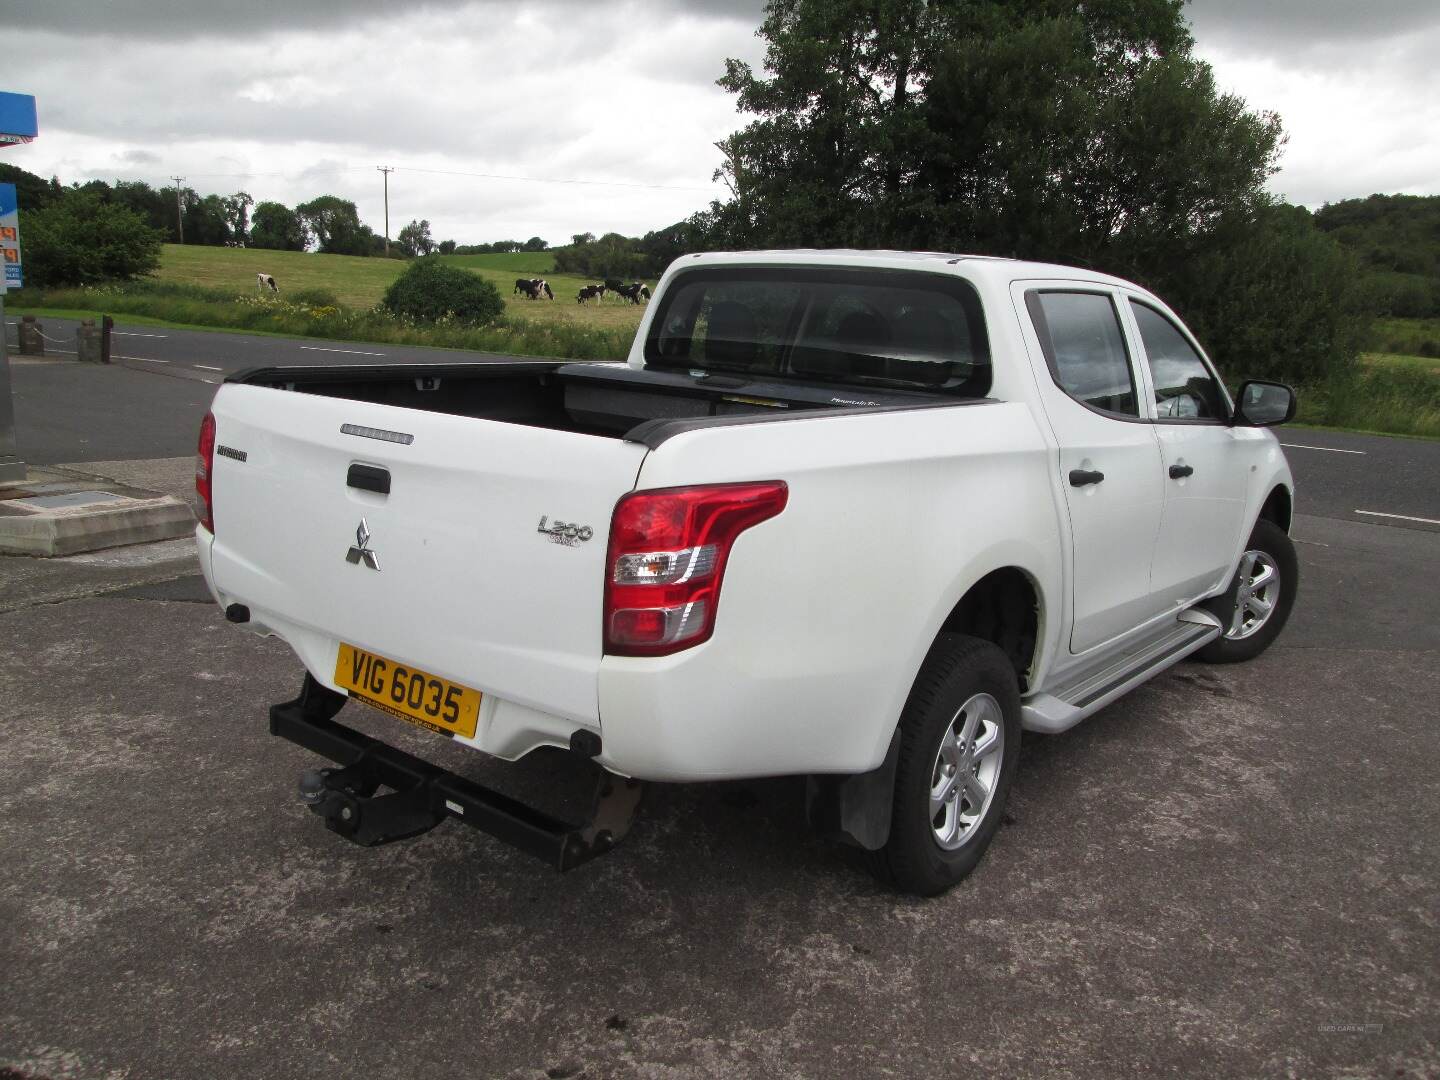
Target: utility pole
{"type": "Point", "coordinates": [387, 170]}
{"type": "Point", "coordinates": [179, 220]}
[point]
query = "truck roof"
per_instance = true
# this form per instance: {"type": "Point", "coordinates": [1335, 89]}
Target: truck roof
{"type": "Point", "coordinates": [991, 267]}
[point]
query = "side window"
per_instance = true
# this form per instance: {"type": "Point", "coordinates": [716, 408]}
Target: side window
{"type": "Point", "coordinates": [1184, 387]}
{"type": "Point", "coordinates": [1085, 348]}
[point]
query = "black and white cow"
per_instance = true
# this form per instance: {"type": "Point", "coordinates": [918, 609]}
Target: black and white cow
{"type": "Point", "coordinates": [264, 281]}
{"type": "Point", "coordinates": [591, 292]}
{"type": "Point", "coordinates": [534, 288]}
{"type": "Point", "coordinates": [634, 292]}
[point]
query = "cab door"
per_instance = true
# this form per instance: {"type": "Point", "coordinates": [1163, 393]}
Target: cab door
{"type": "Point", "coordinates": [1206, 462]}
{"type": "Point", "coordinates": [1108, 455]}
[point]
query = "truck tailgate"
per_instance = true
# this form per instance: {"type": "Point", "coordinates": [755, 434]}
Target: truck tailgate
{"type": "Point", "coordinates": [460, 581]}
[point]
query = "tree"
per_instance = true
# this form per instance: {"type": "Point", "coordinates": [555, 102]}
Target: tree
{"type": "Point", "coordinates": [1080, 133]}
{"type": "Point", "coordinates": [207, 220]}
{"type": "Point", "coordinates": [32, 192]}
{"type": "Point", "coordinates": [581, 238]}
{"type": "Point", "coordinates": [1277, 300]}
{"type": "Point", "coordinates": [414, 239]}
{"type": "Point", "coordinates": [83, 240]}
{"type": "Point", "coordinates": [335, 224]}
{"type": "Point", "coordinates": [1397, 240]}
{"type": "Point", "coordinates": [430, 290]}
{"type": "Point", "coordinates": [151, 205]}
{"type": "Point", "coordinates": [276, 226]}
{"type": "Point", "coordinates": [534, 244]}
{"type": "Point", "coordinates": [447, 247]}
{"type": "Point", "coordinates": [611, 257]}
{"type": "Point", "coordinates": [237, 216]}
{"type": "Point", "coordinates": [1056, 128]}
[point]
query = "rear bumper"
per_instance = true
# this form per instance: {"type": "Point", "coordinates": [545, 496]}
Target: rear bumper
{"type": "Point", "coordinates": [691, 717]}
{"type": "Point", "coordinates": [506, 729]}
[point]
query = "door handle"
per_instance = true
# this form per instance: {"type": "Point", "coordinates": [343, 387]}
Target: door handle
{"type": "Point", "coordinates": [369, 478]}
{"type": "Point", "coordinates": [1179, 472]}
{"type": "Point", "coordinates": [1081, 477]}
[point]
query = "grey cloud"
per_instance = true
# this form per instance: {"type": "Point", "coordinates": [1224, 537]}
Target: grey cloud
{"type": "Point", "coordinates": [1277, 27]}
{"type": "Point", "coordinates": [182, 19]}
{"type": "Point", "coordinates": [137, 158]}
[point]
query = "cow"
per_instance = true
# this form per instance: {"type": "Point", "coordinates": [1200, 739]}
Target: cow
{"type": "Point", "coordinates": [591, 292]}
{"type": "Point", "coordinates": [534, 288]}
{"type": "Point", "coordinates": [634, 291]}
{"type": "Point", "coordinates": [262, 281]}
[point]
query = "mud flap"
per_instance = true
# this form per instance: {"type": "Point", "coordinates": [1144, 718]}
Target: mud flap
{"type": "Point", "coordinates": [855, 809]}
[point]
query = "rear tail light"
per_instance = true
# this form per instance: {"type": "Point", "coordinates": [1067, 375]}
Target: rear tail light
{"type": "Point", "coordinates": [667, 557]}
{"type": "Point", "coordinates": [204, 471]}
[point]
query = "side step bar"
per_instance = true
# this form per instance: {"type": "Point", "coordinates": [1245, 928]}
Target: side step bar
{"type": "Point", "coordinates": [1052, 713]}
{"type": "Point", "coordinates": [423, 795]}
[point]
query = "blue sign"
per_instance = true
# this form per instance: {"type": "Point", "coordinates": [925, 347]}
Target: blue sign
{"type": "Point", "coordinates": [10, 238]}
{"type": "Point", "coordinates": [18, 123]}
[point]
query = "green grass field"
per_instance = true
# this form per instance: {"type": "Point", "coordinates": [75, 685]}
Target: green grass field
{"type": "Point", "coordinates": [355, 281]}
{"type": "Point", "coordinates": [1394, 362]}
{"type": "Point", "coordinates": [1408, 337]}
{"type": "Point", "coordinates": [1391, 394]}
{"type": "Point", "coordinates": [360, 282]}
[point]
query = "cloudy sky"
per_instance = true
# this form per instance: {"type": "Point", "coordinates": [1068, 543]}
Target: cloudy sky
{"type": "Point", "coordinates": [612, 103]}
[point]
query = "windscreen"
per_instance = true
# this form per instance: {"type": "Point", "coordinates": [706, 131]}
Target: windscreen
{"type": "Point", "coordinates": [908, 330]}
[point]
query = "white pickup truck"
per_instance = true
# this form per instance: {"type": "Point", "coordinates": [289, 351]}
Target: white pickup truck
{"type": "Point", "coordinates": [857, 516]}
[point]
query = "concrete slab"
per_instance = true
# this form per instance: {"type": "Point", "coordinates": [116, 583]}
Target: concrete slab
{"type": "Point", "coordinates": [63, 512]}
{"type": "Point", "coordinates": [167, 475]}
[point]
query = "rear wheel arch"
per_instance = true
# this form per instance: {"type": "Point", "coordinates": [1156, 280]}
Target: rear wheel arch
{"type": "Point", "coordinates": [1005, 607]}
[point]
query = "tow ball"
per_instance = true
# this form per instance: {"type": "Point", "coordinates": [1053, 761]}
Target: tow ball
{"type": "Point", "coordinates": [346, 799]}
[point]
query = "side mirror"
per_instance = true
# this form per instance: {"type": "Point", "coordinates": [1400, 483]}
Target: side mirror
{"type": "Point", "coordinates": [1263, 404]}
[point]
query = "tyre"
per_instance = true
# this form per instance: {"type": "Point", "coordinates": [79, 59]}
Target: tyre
{"type": "Point", "coordinates": [959, 748]}
{"type": "Point", "coordinates": [1255, 607]}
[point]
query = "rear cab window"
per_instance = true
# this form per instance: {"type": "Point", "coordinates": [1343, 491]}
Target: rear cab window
{"type": "Point", "coordinates": [1084, 346]}
{"type": "Point", "coordinates": [903, 329]}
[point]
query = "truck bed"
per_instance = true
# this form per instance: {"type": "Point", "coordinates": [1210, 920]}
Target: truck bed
{"type": "Point", "coordinates": [604, 399]}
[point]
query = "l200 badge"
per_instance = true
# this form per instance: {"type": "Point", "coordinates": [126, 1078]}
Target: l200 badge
{"type": "Point", "coordinates": [564, 532]}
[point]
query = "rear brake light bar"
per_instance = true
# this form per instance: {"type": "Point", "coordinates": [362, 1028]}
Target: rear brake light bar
{"type": "Point", "coordinates": [666, 561]}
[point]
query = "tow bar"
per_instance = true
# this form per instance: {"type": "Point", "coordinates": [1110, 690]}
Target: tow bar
{"type": "Point", "coordinates": [423, 795]}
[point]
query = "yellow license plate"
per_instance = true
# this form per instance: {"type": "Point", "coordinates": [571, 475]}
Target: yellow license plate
{"type": "Point", "coordinates": [407, 692]}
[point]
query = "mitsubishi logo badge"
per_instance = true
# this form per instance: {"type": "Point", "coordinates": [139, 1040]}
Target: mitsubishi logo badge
{"type": "Point", "coordinates": [361, 552]}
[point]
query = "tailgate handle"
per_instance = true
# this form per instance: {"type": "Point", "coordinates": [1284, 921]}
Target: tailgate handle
{"type": "Point", "coordinates": [369, 478]}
